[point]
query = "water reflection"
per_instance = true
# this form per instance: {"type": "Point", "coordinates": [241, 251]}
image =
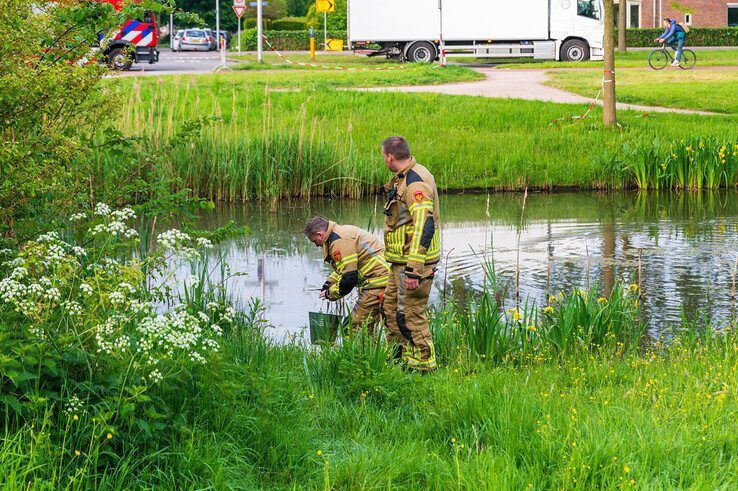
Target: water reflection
{"type": "Point", "coordinates": [685, 243]}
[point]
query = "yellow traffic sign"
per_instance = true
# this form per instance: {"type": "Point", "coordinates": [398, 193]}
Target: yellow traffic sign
{"type": "Point", "coordinates": [325, 5]}
{"type": "Point", "coordinates": [334, 44]}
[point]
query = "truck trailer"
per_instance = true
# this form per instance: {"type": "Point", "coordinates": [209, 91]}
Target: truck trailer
{"type": "Point", "coordinates": [427, 30]}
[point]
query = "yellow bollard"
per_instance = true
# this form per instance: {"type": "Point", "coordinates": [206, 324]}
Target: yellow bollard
{"type": "Point", "coordinates": [312, 43]}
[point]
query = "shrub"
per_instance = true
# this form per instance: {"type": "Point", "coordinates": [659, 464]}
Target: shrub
{"type": "Point", "coordinates": [289, 24]}
{"type": "Point", "coordinates": [95, 349]}
{"type": "Point", "coordinates": [284, 40]}
{"type": "Point", "coordinates": [705, 36]}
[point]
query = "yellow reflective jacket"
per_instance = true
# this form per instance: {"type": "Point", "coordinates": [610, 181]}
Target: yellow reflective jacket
{"type": "Point", "coordinates": [412, 233]}
{"type": "Point", "coordinates": [357, 258]}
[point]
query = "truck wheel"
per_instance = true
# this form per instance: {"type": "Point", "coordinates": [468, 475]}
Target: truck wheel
{"type": "Point", "coordinates": [120, 59]}
{"type": "Point", "coordinates": [421, 52]}
{"type": "Point", "coordinates": [574, 50]}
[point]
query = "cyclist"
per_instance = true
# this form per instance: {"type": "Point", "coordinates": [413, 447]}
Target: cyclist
{"type": "Point", "coordinates": [674, 34]}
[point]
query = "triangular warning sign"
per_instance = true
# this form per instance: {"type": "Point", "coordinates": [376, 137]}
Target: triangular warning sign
{"type": "Point", "coordinates": [239, 10]}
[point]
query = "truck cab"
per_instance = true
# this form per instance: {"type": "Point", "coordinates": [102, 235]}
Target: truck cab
{"type": "Point", "coordinates": [135, 42]}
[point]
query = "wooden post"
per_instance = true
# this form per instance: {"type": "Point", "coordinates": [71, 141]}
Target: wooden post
{"type": "Point", "coordinates": [609, 116]}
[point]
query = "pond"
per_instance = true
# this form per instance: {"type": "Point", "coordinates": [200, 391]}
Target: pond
{"type": "Point", "coordinates": [684, 244]}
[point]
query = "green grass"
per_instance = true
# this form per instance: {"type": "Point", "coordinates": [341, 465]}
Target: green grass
{"type": "Point", "coordinates": [707, 90]}
{"type": "Point", "coordinates": [318, 141]}
{"type": "Point", "coordinates": [631, 59]}
{"type": "Point", "coordinates": [272, 61]}
{"type": "Point", "coordinates": [525, 415]}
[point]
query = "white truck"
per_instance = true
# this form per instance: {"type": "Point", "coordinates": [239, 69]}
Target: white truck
{"type": "Point", "coordinates": [425, 30]}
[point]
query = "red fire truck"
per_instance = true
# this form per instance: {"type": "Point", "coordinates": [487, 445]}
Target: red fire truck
{"type": "Point", "coordinates": [135, 41]}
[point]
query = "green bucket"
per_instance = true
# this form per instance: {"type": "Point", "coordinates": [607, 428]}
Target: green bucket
{"type": "Point", "coordinates": [324, 327]}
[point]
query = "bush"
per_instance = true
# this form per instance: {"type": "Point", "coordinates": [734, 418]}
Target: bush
{"type": "Point", "coordinates": [289, 24]}
{"type": "Point", "coordinates": [284, 40]}
{"type": "Point", "coordinates": [708, 36]}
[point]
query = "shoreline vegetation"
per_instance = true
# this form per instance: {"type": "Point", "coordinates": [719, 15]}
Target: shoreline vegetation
{"type": "Point", "coordinates": [570, 394]}
{"type": "Point", "coordinates": [320, 141]}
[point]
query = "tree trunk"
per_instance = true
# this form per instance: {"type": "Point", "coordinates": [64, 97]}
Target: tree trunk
{"type": "Point", "coordinates": [622, 25]}
{"type": "Point", "coordinates": [609, 117]}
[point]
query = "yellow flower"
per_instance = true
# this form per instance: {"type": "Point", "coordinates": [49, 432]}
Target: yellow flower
{"type": "Point", "coordinates": [532, 328]}
{"type": "Point", "coordinates": [634, 287]}
{"type": "Point", "coordinates": [626, 469]}
{"type": "Point", "coordinates": [110, 436]}
{"type": "Point", "coordinates": [461, 446]}
{"type": "Point", "coordinates": [602, 300]}
{"type": "Point", "coordinates": [76, 417]}
{"type": "Point", "coordinates": [77, 453]}
{"type": "Point", "coordinates": [319, 453]}
{"type": "Point", "coordinates": [453, 440]}
{"type": "Point", "coordinates": [548, 309]}
{"type": "Point", "coordinates": [573, 444]}
{"type": "Point", "coordinates": [551, 298]}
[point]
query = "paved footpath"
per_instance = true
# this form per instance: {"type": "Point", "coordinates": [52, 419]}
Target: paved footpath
{"type": "Point", "coordinates": [519, 84]}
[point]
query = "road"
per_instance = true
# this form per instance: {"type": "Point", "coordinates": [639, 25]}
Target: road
{"type": "Point", "coordinates": [179, 63]}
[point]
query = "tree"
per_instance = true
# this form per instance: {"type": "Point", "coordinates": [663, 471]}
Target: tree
{"type": "Point", "coordinates": [336, 20]}
{"type": "Point", "coordinates": [609, 116]}
{"type": "Point", "coordinates": [622, 24]}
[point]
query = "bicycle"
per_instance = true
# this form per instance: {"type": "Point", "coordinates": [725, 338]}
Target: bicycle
{"type": "Point", "coordinates": [659, 58]}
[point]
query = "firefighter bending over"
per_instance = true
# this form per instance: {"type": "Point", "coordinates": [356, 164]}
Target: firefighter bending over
{"type": "Point", "coordinates": [357, 259]}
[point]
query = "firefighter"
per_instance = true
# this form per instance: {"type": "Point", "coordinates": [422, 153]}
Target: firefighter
{"type": "Point", "coordinates": [412, 243]}
{"type": "Point", "coordinates": [357, 259]}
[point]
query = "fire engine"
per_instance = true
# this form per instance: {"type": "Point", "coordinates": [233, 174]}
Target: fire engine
{"type": "Point", "coordinates": [135, 41]}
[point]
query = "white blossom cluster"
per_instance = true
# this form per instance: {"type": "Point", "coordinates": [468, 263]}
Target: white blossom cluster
{"type": "Point", "coordinates": [74, 405]}
{"type": "Point", "coordinates": [113, 221]}
{"type": "Point", "coordinates": [181, 243]}
{"type": "Point", "coordinates": [177, 332]}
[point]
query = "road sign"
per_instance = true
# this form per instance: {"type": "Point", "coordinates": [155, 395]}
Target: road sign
{"type": "Point", "coordinates": [237, 3]}
{"type": "Point", "coordinates": [334, 45]}
{"type": "Point", "coordinates": [254, 4]}
{"type": "Point", "coordinates": [239, 10]}
{"type": "Point", "coordinates": [325, 5]}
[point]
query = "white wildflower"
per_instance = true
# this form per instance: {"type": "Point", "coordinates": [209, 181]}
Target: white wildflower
{"type": "Point", "coordinates": [78, 216]}
{"type": "Point", "coordinates": [156, 376]}
{"type": "Point", "coordinates": [85, 288]}
{"type": "Point", "coordinates": [102, 209]}
{"type": "Point", "coordinates": [117, 298]}
{"type": "Point", "coordinates": [72, 307]}
{"type": "Point", "coordinates": [172, 238]}
{"type": "Point", "coordinates": [204, 243]}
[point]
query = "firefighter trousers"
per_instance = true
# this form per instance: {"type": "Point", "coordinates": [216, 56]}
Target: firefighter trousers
{"type": "Point", "coordinates": [407, 321]}
{"type": "Point", "coordinates": [367, 311]}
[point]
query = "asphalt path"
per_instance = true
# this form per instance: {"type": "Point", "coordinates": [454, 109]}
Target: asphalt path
{"type": "Point", "coordinates": [178, 63]}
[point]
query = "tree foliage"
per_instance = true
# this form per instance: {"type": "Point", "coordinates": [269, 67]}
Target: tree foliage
{"type": "Point", "coordinates": [51, 102]}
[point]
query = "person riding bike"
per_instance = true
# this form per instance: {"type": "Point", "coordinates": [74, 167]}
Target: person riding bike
{"type": "Point", "coordinates": [674, 34]}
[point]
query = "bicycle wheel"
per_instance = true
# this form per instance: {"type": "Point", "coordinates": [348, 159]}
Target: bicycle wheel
{"type": "Point", "coordinates": [689, 59]}
{"type": "Point", "coordinates": [658, 59]}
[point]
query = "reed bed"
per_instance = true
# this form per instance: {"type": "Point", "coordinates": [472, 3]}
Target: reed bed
{"type": "Point", "coordinates": [266, 140]}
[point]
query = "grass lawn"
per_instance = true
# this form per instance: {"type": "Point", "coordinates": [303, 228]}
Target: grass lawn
{"type": "Point", "coordinates": [271, 61]}
{"type": "Point", "coordinates": [631, 59]}
{"type": "Point", "coordinates": [714, 90]}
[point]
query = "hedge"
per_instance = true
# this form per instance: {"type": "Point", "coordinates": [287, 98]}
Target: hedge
{"type": "Point", "coordinates": [285, 40]}
{"type": "Point", "coordinates": [705, 36]}
{"type": "Point", "coordinates": [289, 24]}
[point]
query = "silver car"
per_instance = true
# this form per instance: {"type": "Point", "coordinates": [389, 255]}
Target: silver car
{"type": "Point", "coordinates": [194, 40]}
{"type": "Point", "coordinates": [177, 39]}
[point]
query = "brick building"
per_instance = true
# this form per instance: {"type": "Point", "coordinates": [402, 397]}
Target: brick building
{"type": "Point", "coordinates": [704, 13]}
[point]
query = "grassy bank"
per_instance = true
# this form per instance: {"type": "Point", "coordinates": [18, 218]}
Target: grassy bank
{"type": "Point", "coordinates": [706, 90]}
{"type": "Point", "coordinates": [317, 141]}
{"type": "Point", "coordinates": [634, 59]}
{"type": "Point", "coordinates": [530, 402]}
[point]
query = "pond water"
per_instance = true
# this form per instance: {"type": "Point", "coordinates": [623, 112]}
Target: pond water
{"type": "Point", "coordinates": [686, 245]}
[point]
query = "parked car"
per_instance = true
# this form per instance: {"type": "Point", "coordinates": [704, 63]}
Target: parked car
{"type": "Point", "coordinates": [194, 40]}
{"type": "Point", "coordinates": [176, 40]}
{"type": "Point", "coordinates": [211, 39]}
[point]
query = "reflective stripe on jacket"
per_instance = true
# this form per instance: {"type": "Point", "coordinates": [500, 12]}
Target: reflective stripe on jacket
{"type": "Point", "coordinates": [412, 233]}
{"type": "Point", "coordinates": [357, 258]}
